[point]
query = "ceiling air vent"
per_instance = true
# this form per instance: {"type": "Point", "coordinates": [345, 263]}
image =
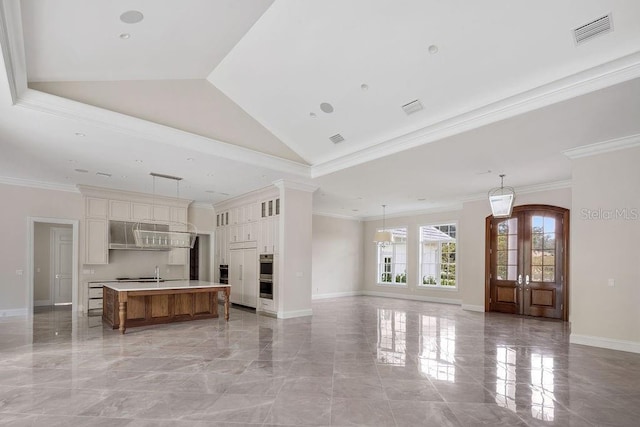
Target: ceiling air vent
{"type": "Point", "coordinates": [412, 107]}
{"type": "Point", "coordinates": [592, 29]}
{"type": "Point", "coordinates": [336, 138]}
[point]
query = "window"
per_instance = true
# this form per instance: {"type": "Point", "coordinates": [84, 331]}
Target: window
{"type": "Point", "coordinates": [392, 259]}
{"type": "Point", "coordinates": [438, 255]}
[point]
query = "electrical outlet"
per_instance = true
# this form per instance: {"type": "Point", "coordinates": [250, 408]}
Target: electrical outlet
{"type": "Point", "coordinates": [19, 272]}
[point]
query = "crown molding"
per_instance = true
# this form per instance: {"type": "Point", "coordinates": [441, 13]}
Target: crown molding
{"type": "Point", "coordinates": [337, 216]}
{"type": "Point", "coordinates": [12, 44]}
{"type": "Point", "coordinates": [534, 188]}
{"type": "Point", "coordinates": [38, 184]}
{"type": "Point", "coordinates": [448, 207]}
{"type": "Point", "coordinates": [283, 184]}
{"type": "Point", "coordinates": [599, 77]}
{"type": "Point", "coordinates": [111, 193]}
{"type": "Point", "coordinates": [202, 205]}
{"type": "Point", "coordinates": [623, 143]}
{"type": "Point", "coordinates": [154, 132]}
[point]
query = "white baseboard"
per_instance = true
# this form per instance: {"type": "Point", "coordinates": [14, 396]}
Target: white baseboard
{"type": "Point", "coordinates": [610, 343]}
{"type": "Point", "coordinates": [336, 295]}
{"type": "Point", "coordinates": [13, 312]}
{"type": "Point", "coordinates": [295, 313]}
{"type": "Point", "coordinates": [413, 297]}
{"type": "Point", "coordinates": [42, 302]}
{"type": "Point", "coordinates": [469, 307]}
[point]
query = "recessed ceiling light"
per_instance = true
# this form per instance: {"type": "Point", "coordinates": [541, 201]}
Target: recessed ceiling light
{"type": "Point", "coordinates": [81, 170]}
{"type": "Point", "coordinates": [209, 191]}
{"type": "Point", "coordinates": [103, 174]}
{"type": "Point", "coordinates": [125, 36]}
{"type": "Point", "coordinates": [123, 176]}
{"type": "Point", "coordinates": [131, 17]}
{"type": "Point", "coordinates": [313, 115]}
{"type": "Point", "coordinates": [72, 161]}
{"type": "Point", "coordinates": [364, 86]}
{"type": "Point", "coordinates": [190, 159]}
{"type": "Point", "coordinates": [80, 134]}
{"type": "Point", "coordinates": [433, 49]}
{"type": "Point", "coordinates": [138, 161]}
{"type": "Point", "coordinates": [210, 174]}
{"type": "Point", "coordinates": [422, 199]}
{"type": "Point", "coordinates": [354, 210]}
{"type": "Point", "coordinates": [326, 107]}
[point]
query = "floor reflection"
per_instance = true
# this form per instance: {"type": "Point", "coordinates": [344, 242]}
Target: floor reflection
{"type": "Point", "coordinates": [437, 348]}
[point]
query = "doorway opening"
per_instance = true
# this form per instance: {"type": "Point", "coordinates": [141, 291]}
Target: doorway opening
{"type": "Point", "coordinates": [526, 262]}
{"type": "Point", "coordinates": [52, 263]}
{"type": "Point", "coordinates": [200, 262]}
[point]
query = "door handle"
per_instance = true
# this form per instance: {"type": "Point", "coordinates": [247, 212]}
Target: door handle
{"type": "Point", "coordinates": [519, 279]}
{"type": "Point", "coordinates": [526, 279]}
{"type": "Point", "coordinates": [57, 276]}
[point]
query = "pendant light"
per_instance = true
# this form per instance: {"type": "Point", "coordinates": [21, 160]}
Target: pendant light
{"type": "Point", "coordinates": [158, 234]}
{"type": "Point", "coordinates": [501, 200]}
{"type": "Point", "coordinates": [384, 237]}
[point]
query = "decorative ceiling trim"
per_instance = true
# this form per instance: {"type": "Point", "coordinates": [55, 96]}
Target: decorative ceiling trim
{"type": "Point", "coordinates": [603, 147]}
{"type": "Point", "coordinates": [338, 216]}
{"type": "Point", "coordinates": [292, 185]}
{"type": "Point", "coordinates": [534, 188]}
{"type": "Point", "coordinates": [202, 205]}
{"type": "Point", "coordinates": [602, 76]}
{"type": "Point", "coordinates": [38, 184]}
{"type": "Point", "coordinates": [12, 45]}
{"type": "Point", "coordinates": [448, 207]}
{"type": "Point", "coordinates": [139, 128]}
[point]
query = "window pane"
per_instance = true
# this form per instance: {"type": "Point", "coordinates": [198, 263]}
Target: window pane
{"type": "Point", "coordinates": [549, 241]}
{"type": "Point", "coordinates": [549, 225]}
{"type": "Point", "coordinates": [537, 240]}
{"type": "Point", "coordinates": [502, 243]}
{"type": "Point", "coordinates": [549, 257]}
{"type": "Point", "coordinates": [549, 274]}
{"type": "Point", "coordinates": [536, 273]}
{"type": "Point", "coordinates": [537, 224]}
{"type": "Point", "coordinates": [536, 257]}
{"type": "Point", "coordinates": [501, 272]}
{"type": "Point", "coordinates": [513, 272]}
{"type": "Point", "coordinates": [437, 256]}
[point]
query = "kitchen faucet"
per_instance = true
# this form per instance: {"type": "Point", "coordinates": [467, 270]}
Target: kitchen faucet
{"type": "Point", "coordinates": [157, 274]}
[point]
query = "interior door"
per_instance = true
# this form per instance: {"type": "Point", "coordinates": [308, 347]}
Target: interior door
{"type": "Point", "coordinates": [527, 262]}
{"type": "Point", "coordinates": [62, 243]}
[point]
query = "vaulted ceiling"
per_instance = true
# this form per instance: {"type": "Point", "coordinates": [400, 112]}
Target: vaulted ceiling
{"type": "Point", "coordinates": [234, 94]}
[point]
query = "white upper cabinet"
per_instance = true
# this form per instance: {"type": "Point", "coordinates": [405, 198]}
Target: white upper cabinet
{"type": "Point", "coordinates": [96, 208]}
{"type": "Point", "coordinates": [140, 211]}
{"type": "Point", "coordinates": [119, 210]}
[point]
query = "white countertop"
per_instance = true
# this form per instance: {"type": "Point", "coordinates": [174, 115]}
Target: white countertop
{"type": "Point", "coordinates": [172, 284]}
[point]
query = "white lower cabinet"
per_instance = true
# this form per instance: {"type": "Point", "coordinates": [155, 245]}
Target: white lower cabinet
{"type": "Point", "coordinates": [243, 276]}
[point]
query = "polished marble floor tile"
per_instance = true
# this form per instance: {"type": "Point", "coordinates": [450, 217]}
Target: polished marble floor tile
{"type": "Point", "coordinates": [358, 361]}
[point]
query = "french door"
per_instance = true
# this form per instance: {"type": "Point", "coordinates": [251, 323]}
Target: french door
{"type": "Point", "coordinates": [526, 262]}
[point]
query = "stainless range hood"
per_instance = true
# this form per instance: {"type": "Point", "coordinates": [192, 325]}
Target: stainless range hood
{"type": "Point", "coordinates": [121, 235]}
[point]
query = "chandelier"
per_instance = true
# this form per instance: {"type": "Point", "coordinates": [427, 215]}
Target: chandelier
{"type": "Point", "coordinates": [383, 237]}
{"type": "Point", "coordinates": [158, 234]}
{"type": "Point", "coordinates": [501, 200]}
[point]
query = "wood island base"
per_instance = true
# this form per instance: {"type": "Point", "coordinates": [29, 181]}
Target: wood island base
{"type": "Point", "coordinates": [140, 307]}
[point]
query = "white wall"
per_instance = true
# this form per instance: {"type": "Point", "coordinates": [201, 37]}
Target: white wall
{"type": "Point", "coordinates": [337, 257]}
{"type": "Point", "coordinates": [293, 292]}
{"type": "Point", "coordinates": [18, 203]}
{"type": "Point", "coordinates": [605, 245]}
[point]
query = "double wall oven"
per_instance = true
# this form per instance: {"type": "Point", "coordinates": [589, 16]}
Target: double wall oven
{"type": "Point", "coordinates": [266, 276]}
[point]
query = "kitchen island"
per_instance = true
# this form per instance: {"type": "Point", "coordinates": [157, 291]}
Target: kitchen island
{"type": "Point", "coordinates": [132, 304]}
